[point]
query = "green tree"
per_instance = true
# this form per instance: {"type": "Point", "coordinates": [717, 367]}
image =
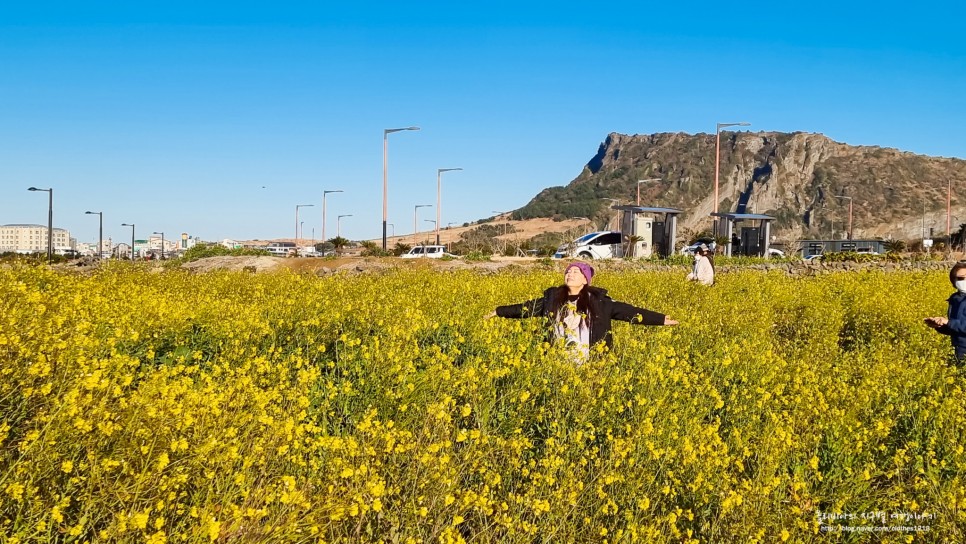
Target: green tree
{"type": "Point", "coordinates": [372, 249]}
{"type": "Point", "coordinates": [401, 248]}
{"type": "Point", "coordinates": [338, 243]}
{"type": "Point", "coordinates": [894, 246]}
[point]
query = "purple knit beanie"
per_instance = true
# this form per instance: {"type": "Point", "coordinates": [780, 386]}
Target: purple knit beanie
{"type": "Point", "coordinates": [585, 269]}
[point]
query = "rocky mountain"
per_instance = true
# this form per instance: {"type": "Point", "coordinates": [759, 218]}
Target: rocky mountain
{"type": "Point", "coordinates": [795, 178]}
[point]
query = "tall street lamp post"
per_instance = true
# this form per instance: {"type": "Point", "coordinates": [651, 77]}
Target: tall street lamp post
{"type": "Point", "coordinates": [717, 160]}
{"type": "Point", "coordinates": [50, 221]}
{"type": "Point", "coordinates": [100, 233]}
{"type": "Point", "coordinates": [132, 238]}
{"type": "Point", "coordinates": [415, 220]}
{"type": "Point", "coordinates": [393, 230]}
{"type": "Point", "coordinates": [297, 206]}
{"type": "Point", "coordinates": [506, 229]}
{"type": "Point", "coordinates": [162, 244]}
{"type": "Point", "coordinates": [949, 211]}
{"type": "Point", "coordinates": [850, 213]}
{"type": "Point", "coordinates": [924, 223]}
{"type": "Point", "coordinates": [338, 224]}
{"type": "Point", "coordinates": [385, 177]}
{"type": "Point", "coordinates": [433, 221]}
{"type": "Point", "coordinates": [639, 182]}
{"type": "Point", "coordinates": [439, 172]}
{"type": "Point", "coordinates": [323, 210]}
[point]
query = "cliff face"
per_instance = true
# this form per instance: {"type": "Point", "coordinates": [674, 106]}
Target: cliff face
{"type": "Point", "coordinates": [793, 177]}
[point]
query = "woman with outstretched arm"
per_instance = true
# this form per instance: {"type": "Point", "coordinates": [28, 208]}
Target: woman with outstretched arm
{"type": "Point", "coordinates": [581, 315]}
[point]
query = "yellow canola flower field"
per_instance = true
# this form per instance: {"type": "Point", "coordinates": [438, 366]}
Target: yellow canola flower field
{"type": "Point", "coordinates": [232, 407]}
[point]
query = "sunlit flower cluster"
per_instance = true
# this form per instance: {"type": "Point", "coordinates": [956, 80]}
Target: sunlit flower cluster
{"type": "Point", "coordinates": [237, 407]}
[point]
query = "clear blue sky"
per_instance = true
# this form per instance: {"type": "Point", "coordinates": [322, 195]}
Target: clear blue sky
{"type": "Point", "coordinates": [175, 115]}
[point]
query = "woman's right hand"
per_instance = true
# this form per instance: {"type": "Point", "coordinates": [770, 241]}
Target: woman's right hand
{"type": "Point", "coordinates": [490, 315]}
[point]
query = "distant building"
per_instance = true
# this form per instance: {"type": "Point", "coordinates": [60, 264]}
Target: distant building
{"type": "Point", "coordinates": [122, 251]}
{"type": "Point", "coordinates": [32, 238]}
{"type": "Point", "coordinates": [154, 244]}
{"type": "Point", "coordinates": [86, 248]}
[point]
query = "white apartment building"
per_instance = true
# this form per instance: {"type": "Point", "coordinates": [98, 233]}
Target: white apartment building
{"type": "Point", "coordinates": [32, 238]}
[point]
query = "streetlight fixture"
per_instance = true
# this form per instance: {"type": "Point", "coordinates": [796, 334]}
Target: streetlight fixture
{"type": "Point", "coordinates": [385, 177]}
{"type": "Point", "coordinates": [338, 224]}
{"type": "Point", "coordinates": [297, 206]}
{"type": "Point", "coordinates": [506, 226]}
{"type": "Point", "coordinates": [323, 210]}
{"type": "Point", "coordinates": [639, 182]}
{"type": "Point", "coordinates": [414, 219]}
{"type": "Point", "coordinates": [717, 160]}
{"type": "Point", "coordinates": [393, 230]}
{"type": "Point", "coordinates": [439, 172]}
{"type": "Point", "coordinates": [162, 243]}
{"type": "Point", "coordinates": [132, 238]}
{"type": "Point", "coordinates": [100, 233]}
{"type": "Point", "coordinates": [50, 221]}
{"type": "Point", "coordinates": [850, 213]}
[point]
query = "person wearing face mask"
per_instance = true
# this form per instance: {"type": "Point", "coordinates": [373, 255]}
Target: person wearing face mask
{"type": "Point", "coordinates": [581, 315]}
{"type": "Point", "coordinates": [703, 271]}
{"type": "Point", "coordinates": [954, 324]}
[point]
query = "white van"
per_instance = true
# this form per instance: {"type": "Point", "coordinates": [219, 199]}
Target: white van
{"type": "Point", "coordinates": [596, 245]}
{"type": "Point", "coordinates": [281, 249]}
{"type": "Point", "coordinates": [432, 252]}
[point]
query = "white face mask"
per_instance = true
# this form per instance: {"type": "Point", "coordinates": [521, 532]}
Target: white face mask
{"type": "Point", "coordinates": [961, 286]}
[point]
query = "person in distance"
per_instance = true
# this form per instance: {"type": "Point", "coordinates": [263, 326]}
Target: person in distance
{"type": "Point", "coordinates": [703, 271]}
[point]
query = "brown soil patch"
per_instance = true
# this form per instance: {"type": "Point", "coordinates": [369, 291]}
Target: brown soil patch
{"type": "Point", "coordinates": [525, 229]}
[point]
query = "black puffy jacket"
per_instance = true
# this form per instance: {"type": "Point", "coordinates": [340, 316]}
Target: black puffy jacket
{"type": "Point", "coordinates": [604, 309]}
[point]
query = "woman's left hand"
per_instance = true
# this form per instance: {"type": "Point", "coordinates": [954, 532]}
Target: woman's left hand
{"type": "Point", "coordinates": [669, 321]}
{"type": "Point", "coordinates": [936, 322]}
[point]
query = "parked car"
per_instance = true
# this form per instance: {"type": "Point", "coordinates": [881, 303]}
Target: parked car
{"type": "Point", "coordinates": [866, 251]}
{"type": "Point", "coordinates": [814, 258]}
{"type": "Point", "coordinates": [596, 245]}
{"type": "Point", "coordinates": [693, 248]}
{"type": "Point", "coordinates": [431, 252]}
{"type": "Point", "coordinates": [773, 252]}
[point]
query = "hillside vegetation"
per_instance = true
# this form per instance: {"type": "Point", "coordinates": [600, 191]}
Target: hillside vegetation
{"type": "Point", "coordinates": [794, 177]}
